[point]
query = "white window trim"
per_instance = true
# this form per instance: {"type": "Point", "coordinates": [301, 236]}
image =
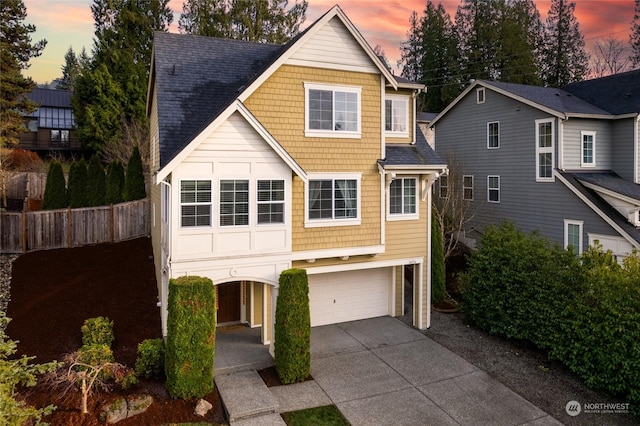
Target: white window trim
{"type": "Point", "coordinates": [318, 223]}
{"type": "Point", "coordinates": [467, 187]}
{"type": "Point", "coordinates": [580, 224]}
{"type": "Point", "coordinates": [440, 186]}
{"type": "Point", "coordinates": [488, 134]}
{"type": "Point", "coordinates": [489, 189]}
{"type": "Point", "coordinates": [211, 205]}
{"type": "Point", "coordinates": [331, 133]}
{"type": "Point", "coordinates": [480, 95]}
{"type": "Point", "coordinates": [403, 216]}
{"type": "Point", "coordinates": [405, 100]}
{"type": "Point", "coordinates": [582, 135]}
{"type": "Point", "coordinates": [545, 150]}
{"type": "Point", "coordinates": [250, 203]}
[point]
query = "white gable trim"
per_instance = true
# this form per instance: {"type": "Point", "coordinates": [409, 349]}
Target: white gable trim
{"type": "Point", "coordinates": [239, 107]}
{"type": "Point", "coordinates": [599, 212]}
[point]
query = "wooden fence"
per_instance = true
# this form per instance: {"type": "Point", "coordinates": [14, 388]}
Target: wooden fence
{"type": "Point", "coordinates": [22, 185]}
{"type": "Point", "coordinates": [50, 229]}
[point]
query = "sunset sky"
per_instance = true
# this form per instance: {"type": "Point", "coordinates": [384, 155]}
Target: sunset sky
{"type": "Point", "coordinates": [68, 23]}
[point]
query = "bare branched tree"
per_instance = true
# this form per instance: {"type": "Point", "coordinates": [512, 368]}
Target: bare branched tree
{"type": "Point", "coordinates": [610, 56]}
{"type": "Point", "coordinates": [133, 134]}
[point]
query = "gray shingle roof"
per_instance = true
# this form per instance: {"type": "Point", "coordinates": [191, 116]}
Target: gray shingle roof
{"type": "Point", "coordinates": [51, 98]}
{"type": "Point", "coordinates": [611, 181]}
{"type": "Point", "coordinates": [197, 78]}
{"type": "Point", "coordinates": [419, 154]}
{"type": "Point", "coordinates": [618, 93]}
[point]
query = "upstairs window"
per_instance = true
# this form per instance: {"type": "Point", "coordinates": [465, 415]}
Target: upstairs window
{"type": "Point", "coordinates": [396, 115]}
{"type": "Point", "coordinates": [444, 186]}
{"type": "Point", "coordinates": [234, 202]}
{"type": "Point", "coordinates": [493, 135]}
{"type": "Point", "coordinates": [270, 201]}
{"type": "Point", "coordinates": [467, 187]}
{"type": "Point", "coordinates": [195, 203]}
{"type": "Point", "coordinates": [588, 149]}
{"type": "Point", "coordinates": [403, 196]}
{"type": "Point", "coordinates": [333, 200]}
{"type": "Point", "coordinates": [332, 111]}
{"type": "Point", "coordinates": [480, 95]}
{"type": "Point", "coordinates": [544, 150]}
{"type": "Point", "coordinates": [60, 137]}
{"type": "Point", "coordinates": [493, 189]}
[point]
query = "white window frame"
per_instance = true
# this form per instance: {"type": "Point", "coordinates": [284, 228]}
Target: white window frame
{"type": "Point", "coordinates": [234, 203]}
{"type": "Point", "coordinates": [443, 190]}
{"type": "Point", "coordinates": [592, 163]}
{"type": "Point", "coordinates": [196, 203]}
{"type": "Point", "coordinates": [489, 189]}
{"type": "Point", "coordinates": [480, 95]}
{"type": "Point", "coordinates": [497, 123]}
{"type": "Point", "coordinates": [404, 100]}
{"type": "Point", "coordinates": [271, 202]}
{"type": "Point", "coordinates": [309, 132]}
{"type": "Point", "coordinates": [465, 188]}
{"type": "Point", "coordinates": [545, 150]}
{"type": "Point", "coordinates": [324, 222]}
{"type": "Point", "coordinates": [404, 215]}
{"type": "Point", "coordinates": [580, 225]}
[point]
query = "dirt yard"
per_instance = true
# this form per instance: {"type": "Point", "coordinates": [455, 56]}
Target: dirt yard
{"type": "Point", "coordinates": [54, 291]}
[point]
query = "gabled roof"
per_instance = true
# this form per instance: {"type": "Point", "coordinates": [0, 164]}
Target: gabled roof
{"type": "Point", "coordinates": [610, 181]}
{"type": "Point", "coordinates": [50, 97]}
{"type": "Point", "coordinates": [417, 156]}
{"type": "Point", "coordinates": [198, 78]}
{"type": "Point", "coordinates": [618, 93]}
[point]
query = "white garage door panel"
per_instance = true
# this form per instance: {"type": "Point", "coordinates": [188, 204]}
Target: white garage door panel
{"type": "Point", "coordinates": [348, 296]}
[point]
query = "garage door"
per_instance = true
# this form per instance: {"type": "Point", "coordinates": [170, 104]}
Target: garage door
{"type": "Point", "coordinates": [348, 296]}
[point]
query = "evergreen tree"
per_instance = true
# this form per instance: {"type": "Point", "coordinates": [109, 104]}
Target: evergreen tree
{"type": "Point", "coordinates": [114, 183]}
{"type": "Point", "coordinates": [70, 71]}
{"type": "Point", "coordinates": [16, 49]}
{"type": "Point", "coordinates": [95, 182]}
{"type": "Point", "coordinates": [77, 186]}
{"type": "Point", "coordinates": [564, 57]}
{"type": "Point", "coordinates": [634, 37]}
{"type": "Point", "coordinates": [263, 21]}
{"type": "Point", "coordinates": [411, 50]}
{"type": "Point", "coordinates": [438, 275]}
{"type": "Point", "coordinates": [55, 192]}
{"type": "Point", "coordinates": [134, 187]}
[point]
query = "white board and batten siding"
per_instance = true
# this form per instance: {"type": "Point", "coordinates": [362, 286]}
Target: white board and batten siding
{"type": "Point", "coordinates": [348, 296]}
{"type": "Point", "coordinates": [333, 46]}
{"type": "Point", "coordinates": [232, 151]}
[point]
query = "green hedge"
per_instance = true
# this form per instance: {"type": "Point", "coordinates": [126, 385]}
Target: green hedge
{"type": "Point", "coordinates": [55, 191]}
{"type": "Point", "coordinates": [292, 347]}
{"type": "Point", "coordinates": [583, 311]}
{"type": "Point", "coordinates": [191, 335]}
{"type": "Point", "coordinates": [77, 185]}
{"type": "Point", "coordinates": [96, 185]}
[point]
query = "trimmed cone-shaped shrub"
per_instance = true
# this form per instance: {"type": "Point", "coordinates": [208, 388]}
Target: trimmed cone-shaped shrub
{"type": "Point", "coordinates": [55, 191]}
{"type": "Point", "coordinates": [292, 348]}
{"type": "Point", "coordinates": [114, 183]}
{"type": "Point", "coordinates": [77, 187]}
{"type": "Point", "coordinates": [95, 182]}
{"type": "Point", "coordinates": [134, 178]}
{"type": "Point", "coordinates": [191, 337]}
{"type": "Point", "coordinates": [438, 274]}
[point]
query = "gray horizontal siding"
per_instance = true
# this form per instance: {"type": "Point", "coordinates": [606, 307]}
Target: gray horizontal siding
{"type": "Point", "coordinates": [572, 144]}
{"type": "Point", "coordinates": [623, 152]}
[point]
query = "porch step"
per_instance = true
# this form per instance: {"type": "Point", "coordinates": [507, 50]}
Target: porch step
{"type": "Point", "coordinates": [244, 395]}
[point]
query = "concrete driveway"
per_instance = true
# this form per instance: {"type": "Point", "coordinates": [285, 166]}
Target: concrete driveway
{"type": "Point", "coordinates": [381, 372]}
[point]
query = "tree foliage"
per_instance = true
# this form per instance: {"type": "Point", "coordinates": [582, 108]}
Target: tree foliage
{"type": "Point", "coordinates": [55, 191]}
{"type": "Point", "coordinates": [134, 184]}
{"type": "Point", "coordinates": [70, 71]}
{"type": "Point", "coordinates": [634, 37]}
{"type": "Point", "coordinates": [114, 185]}
{"type": "Point", "coordinates": [16, 49]}
{"type": "Point", "coordinates": [96, 185]}
{"type": "Point", "coordinates": [77, 186]}
{"type": "Point", "coordinates": [438, 272]}
{"type": "Point", "coordinates": [263, 21]}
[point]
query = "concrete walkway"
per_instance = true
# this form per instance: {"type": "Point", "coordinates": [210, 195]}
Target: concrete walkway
{"type": "Point", "coordinates": [377, 372]}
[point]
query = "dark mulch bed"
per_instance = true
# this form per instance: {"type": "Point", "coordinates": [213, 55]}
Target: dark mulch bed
{"type": "Point", "coordinates": [54, 291]}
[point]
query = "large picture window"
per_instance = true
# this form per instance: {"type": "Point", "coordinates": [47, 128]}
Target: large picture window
{"type": "Point", "coordinates": [403, 196]}
{"type": "Point", "coordinates": [544, 150]}
{"type": "Point", "coordinates": [333, 199]}
{"type": "Point", "coordinates": [234, 202]}
{"type": "Point", "coordinates": [270, 201]}
{"type": "Point", "coordinates": [195, 203]}
{"type": "Point", "coordinates": [332, 111]}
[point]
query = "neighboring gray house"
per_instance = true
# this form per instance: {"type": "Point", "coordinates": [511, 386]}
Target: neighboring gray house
{"type": "Point", "coordinates": [563, 161]}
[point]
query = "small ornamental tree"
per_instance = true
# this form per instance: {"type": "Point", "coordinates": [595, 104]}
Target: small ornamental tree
{"type": "Point", "coordinates": [438, 275]}
{"type": "Point", "coordinates": [77, 187]}
{"type": "Point", "coordinates": [114, 184]}
{"type": "Point", "coordinates": [55, 191]}
{"type": "Point", "coordinates": [95, 182]}
{"type": "Point", "coordinates": [134, 188]}
{"type": "Point", "coordinates": [191, 337]}
{"type": "Point", "coordinates": [292, 348]}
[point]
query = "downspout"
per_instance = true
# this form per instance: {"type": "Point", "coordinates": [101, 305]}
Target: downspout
{"type": "Point", "coordinates": [166, 268]}
{"type": "Point", "coordinates": [560, 137]}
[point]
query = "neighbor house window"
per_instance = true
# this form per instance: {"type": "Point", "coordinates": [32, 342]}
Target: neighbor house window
{"type": "Point", "coordinates": [544, 150]}
{"type": "Point", "coordinates": [60, 137]}
{"type": "Point", "coordinates": [493, 135]}
{"type": "Point", "coordinates": [234, 202]}
{"type": "Point", "coordinates": [573, 235]}
{"type": "Point", "coordinates": [195, 203]}
{"type": "Point", "coordinates": [397, 115]}
{"type": "Point", "coordinates": [333, 199]}
{"type": "Point", "coordinates": [588, 149]}
{"type": "Point", "coordinates": [444, 186]}
{"type": "Point", "coordinates": [332, 111]}
{"type": "Point", "coordinates": [403, 196]}
{"type": "Point", "coordinates": [493, 189]}
{"type": "Point", "coordinates": [480, 95]}
{"type": "Point", "coordinates": [270, 201]}
{"type": "Point", "coordinates": [467, 188]}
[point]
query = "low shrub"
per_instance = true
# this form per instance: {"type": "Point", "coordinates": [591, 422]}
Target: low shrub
{"type": "Point", "coordinates": [150, 359]}
{"type": "Point", "coordinates": [438, 272]}
{"type": "Point", "coordinates": [191, 336]}
{"type": "Point", "coordinates": [98, 330]}
{"type": "Point", "coordinates": [292, 347]}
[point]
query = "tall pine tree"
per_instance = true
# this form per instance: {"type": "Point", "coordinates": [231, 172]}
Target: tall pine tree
{"type": "Point", "coordinates": [634, 37]}
{"type": "Point", "coordinates": [70, 71]}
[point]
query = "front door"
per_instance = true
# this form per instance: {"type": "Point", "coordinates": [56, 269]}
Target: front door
{"type": "Point", "coordinates": [229, 302]}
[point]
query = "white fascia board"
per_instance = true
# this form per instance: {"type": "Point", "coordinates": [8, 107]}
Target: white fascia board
{"type": "Point", "coordinates": [314, 270]}
{"type": "Point", "coordinates": [413, 169]}
{"type": "Point", "coordinates": [599, 212]}
{"type": "Point", "coordinates": [611, 194]}
{"type": "Point", "coordinates": [338, 252]}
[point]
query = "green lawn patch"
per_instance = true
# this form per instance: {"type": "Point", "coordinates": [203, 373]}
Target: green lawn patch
{"type": "Point", "coordinates": [328, 415]}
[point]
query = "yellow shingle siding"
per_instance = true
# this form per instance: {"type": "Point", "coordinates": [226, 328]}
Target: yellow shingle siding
{"type": "Point", "coordinates": [279, 104]}
{"type": "Point", "coordinates": [407, 238]}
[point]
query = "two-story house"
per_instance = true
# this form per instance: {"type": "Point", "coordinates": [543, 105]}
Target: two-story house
{"type": "Point", "coordinates": [563, 161]}
{"type": "Point", "coordinates": [304, 155]}
{"type": "Point", "coordinates": [51, 127]}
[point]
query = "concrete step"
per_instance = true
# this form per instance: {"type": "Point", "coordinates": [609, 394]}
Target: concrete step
{"type": "Point", "coordinates": [244, 395]}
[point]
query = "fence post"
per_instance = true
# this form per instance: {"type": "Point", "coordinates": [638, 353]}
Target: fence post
{"type": "Point", "coordinates": [24, 231]}
{"type": "Point", "coordinates": [111, 223]}
{"type": "Point", "coordinates": [69, 227]}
